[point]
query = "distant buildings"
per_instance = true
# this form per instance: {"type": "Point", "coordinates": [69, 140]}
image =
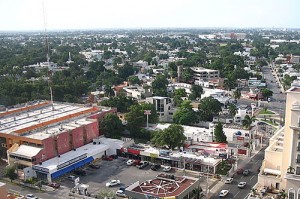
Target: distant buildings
{"type": "Point", "coordinates": [163, 106]}
{"type": "Point", "coordinates": [281, 167]}
{"type": "Point", "coordinates": [202, 74]}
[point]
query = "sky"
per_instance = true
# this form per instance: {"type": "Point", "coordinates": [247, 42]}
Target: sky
{"type": "Point", "coordinates": [26, 15]}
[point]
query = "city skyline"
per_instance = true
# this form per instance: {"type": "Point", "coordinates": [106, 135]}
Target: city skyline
{"type": "Point", "coordinates": [22, 15]}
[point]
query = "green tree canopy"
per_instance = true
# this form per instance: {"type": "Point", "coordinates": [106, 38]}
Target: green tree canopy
{"type": "Point", "coordinates": [232, 109]}
{"type": "Point", "coordinates": [134, 80]}
{"type": "Point", "coordinates": [197, 90]}
{"type": "Point", "coordinates": [10, 172]}
{"type": "Point", "coordinates": [266, 93]}
{"type": "Point", "coordinates": [173, 137]}
{"type": "Point", "coordinates": [185, 114]}
{"type": "Point", "coordinates": [121, 102]}
{"type": "Point", "coordinates": [159, 86]}
{"type": "Point", "coordinates": [208, 108]}
{"type": "Point", "coordinates": [219, 133]}
{"type": "Point", "coordinates": [111, 126]}
{"type": "Point", "coordinates": [136, 117]}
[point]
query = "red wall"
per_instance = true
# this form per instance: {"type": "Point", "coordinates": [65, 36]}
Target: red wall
{"type": "Point", "coordinates": [77, 137]}
{"type": "Point", "coordinates": [63, 142]}
{"type": "Point", "coordinates": [92, 131]}
{"type": "Point", "coordinates": [49, 149]}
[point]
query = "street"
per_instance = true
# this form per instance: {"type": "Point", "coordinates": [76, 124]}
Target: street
{"type": "Point", "coordinates": [253, 165]}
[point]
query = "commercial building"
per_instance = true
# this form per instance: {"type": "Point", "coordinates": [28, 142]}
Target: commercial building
{"type": "Point", "coordinates": [163, 106]}
{"type": "Point", "coordinates": [164, 186]}
{"type": "Point", "coordinates": [281, 166]}
{"type": "Point", "coordinates": [203, 74]}
{"type": "Point", "coordinates": [35, 132]}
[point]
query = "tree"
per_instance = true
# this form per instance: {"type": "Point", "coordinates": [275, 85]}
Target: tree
{"type": "Point", "coordinates": [125, 71]}
{"type": "Point", "coordinates": [121, 102]}
{"type": "Point", "coordinates": [134, 80]}
{"type": "Point", "coordinates": [296, 67]}
{"type": "Point", "coordinates": [136, 117]}
{"type": "Point", "coordinates": [108, 91]}
{"type": "Point", "coordinates": [247, 122]}
{"type": "Point", "coordinates": [196, 90]}
{"type": "Point", "coordinates": [232, 109]}
{"type": "Point", "coordinates": [159, 86]}
{"type": "Point", "coordinates": [208, 108]}
{"type": "Point", "coordinates": [185, 114]}
{"type": "Point", "coordinates": [266, 93]}
{"type": "Point", "coordinates": [237, 94]}
{"type": "Point", "coordinates": [187, 75]}
{"type": "Point", "coordinates": [178, 94]}
{"type": "Point", "coordinates": [173, 136]}
{"type": "Point", "coordinates": [111, 126]}
{"type": "Point", "coordinates": [219, 133]}
{"type": "Point", "coordinates": [10, 172]}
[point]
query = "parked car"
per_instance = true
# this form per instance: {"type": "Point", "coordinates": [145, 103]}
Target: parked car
{"type": "Point", "coordinates": [167, 168]}
{"type": "Point", "coordinates": [80, 172]}
{"type": "Point", "coordinates": [155, 167]}
{"type": "Point", "coordinates": [54, 185]}
{"type": "Point", "coordinates": [120, 193]}
{"type": "Point", "coordinates": [71, 178]}
{"type": "Point", "coordinates": [130, 162]}
{"type": "Point", "coordinates": [94, 166]}
{"type": "Point", "coordinates": [108, 158]}
{"type": "Point", "coordinates": [113, 183]}
{"type": "Point", "coordinates": [31, 196]}
{"type": "Point", "coordinates": [240, 171]}
{"type": "Point", "coordinates": [242, 185]}
{"type": "Point", "coordinates": [246, 172]}
{"type": "Point", "coordinates": [223, 193]}
{"type": "Point", "coordinates": [142, 164]}
{"type": "Point", "coordinates": [228, 180]}
{"type": "Point", "coordinates": [136, 162]}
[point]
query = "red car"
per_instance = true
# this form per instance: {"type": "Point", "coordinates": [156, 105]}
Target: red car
{"type": "Point", "coordinates": [54, 185]}
{"type": "Point", "coordinates": [136, 162]}
{"type": "Point", "coordinates": [240, 171]}
{"type": "Point", "coordinates": [108, 158]}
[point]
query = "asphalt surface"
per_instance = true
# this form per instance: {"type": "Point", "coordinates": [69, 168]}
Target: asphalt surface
{"type": "Point", "coordinates": [277, 102]}
{"type": "Point", "coordinates": [253, 165]}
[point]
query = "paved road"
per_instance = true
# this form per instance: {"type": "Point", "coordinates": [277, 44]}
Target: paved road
{"type": "Point", "coordinates": [278, 99]}
{"type": "Point", "coordinates": [253, 165]}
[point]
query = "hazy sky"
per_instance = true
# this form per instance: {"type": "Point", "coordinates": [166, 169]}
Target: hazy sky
{"type": "Point", "coordinates": [103, 14]}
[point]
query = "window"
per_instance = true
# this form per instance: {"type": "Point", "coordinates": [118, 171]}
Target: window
{"type": "Point", "coordinates": [291, 194]}
{"type": "Point", "coordinates": [298, 171]}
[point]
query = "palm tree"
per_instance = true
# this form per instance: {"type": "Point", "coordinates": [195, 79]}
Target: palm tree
{"type": "Point", "coordinates": [232, 109]}
{"type": "Point", "coordinates": [247, 121]}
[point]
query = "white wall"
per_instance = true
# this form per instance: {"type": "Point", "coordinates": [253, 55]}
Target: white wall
{"type": "Point", "coordinates": [29, 173]}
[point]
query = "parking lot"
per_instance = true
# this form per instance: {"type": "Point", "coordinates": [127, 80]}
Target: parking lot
{"type": "Point", "coordinates": [111, 170]}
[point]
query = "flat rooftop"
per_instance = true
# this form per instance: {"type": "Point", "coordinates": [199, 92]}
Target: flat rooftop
{"type": "Point", "coordinates": [41, 120]}
{"type": "Point", "coordinates": [295, 89]}
{"type": "Point", "coordinates": [164, 185]}
{"type": "Point", "coordinates": [88, 149]}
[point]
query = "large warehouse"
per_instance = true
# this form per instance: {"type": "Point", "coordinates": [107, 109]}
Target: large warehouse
{"type": "Point", "coordinates": [35, 132]}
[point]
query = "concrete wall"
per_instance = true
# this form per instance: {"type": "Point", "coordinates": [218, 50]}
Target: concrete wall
{"type": "Point", "coordinates": [49, 148]}
{"type": "Point", "coordinates": [92, 131]}
{"type": "Point", "coordinates": [29, 173]}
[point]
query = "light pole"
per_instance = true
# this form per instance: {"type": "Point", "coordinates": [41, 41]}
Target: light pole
{"type": "Point", "coordinates": [16, 163]}
{"type": "Point", "coordinates": [207, 189]}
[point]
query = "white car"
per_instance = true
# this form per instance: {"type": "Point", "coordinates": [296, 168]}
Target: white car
{"type": "Point", "coordinates": [113, 183]}
{"type": "Point", "coordinates": [31, 196]}
{"type": "Point", "coordinates": [242, 184]}
{"type": "Point", "coordinates": [120, 193]}
{"type": "Point", "coordinates": [167, 168]}
{"type": "Point", "coordinates": [129, 162]}
{"type": "Point", "coordinates": [228, 180]}
{"type": "Point", "coordinates": [223, 193]}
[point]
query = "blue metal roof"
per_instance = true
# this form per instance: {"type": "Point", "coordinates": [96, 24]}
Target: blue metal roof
{"type": "Point", "coordinates": [71, 167]}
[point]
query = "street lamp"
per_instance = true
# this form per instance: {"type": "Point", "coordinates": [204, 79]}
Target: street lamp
{"type": "Point", "coordinates": [207, 189]}
{"type": "Point", "coordinates": [147, 113]}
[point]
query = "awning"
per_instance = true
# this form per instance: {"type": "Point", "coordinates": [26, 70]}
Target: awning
{"type": "Point", "coordinates": [71, 167]}
{"type": "Point", "coordinates": [26, 151]}
{"type": "Point", "coordinates": [272, 171]}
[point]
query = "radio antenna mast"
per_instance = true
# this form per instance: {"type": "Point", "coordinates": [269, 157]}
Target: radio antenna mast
{"type": "Point", "coordinates": [49, 71]}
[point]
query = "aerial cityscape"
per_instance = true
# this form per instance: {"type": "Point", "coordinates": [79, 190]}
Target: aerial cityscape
{"type": "Point", "coordinates": [155, 100]}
